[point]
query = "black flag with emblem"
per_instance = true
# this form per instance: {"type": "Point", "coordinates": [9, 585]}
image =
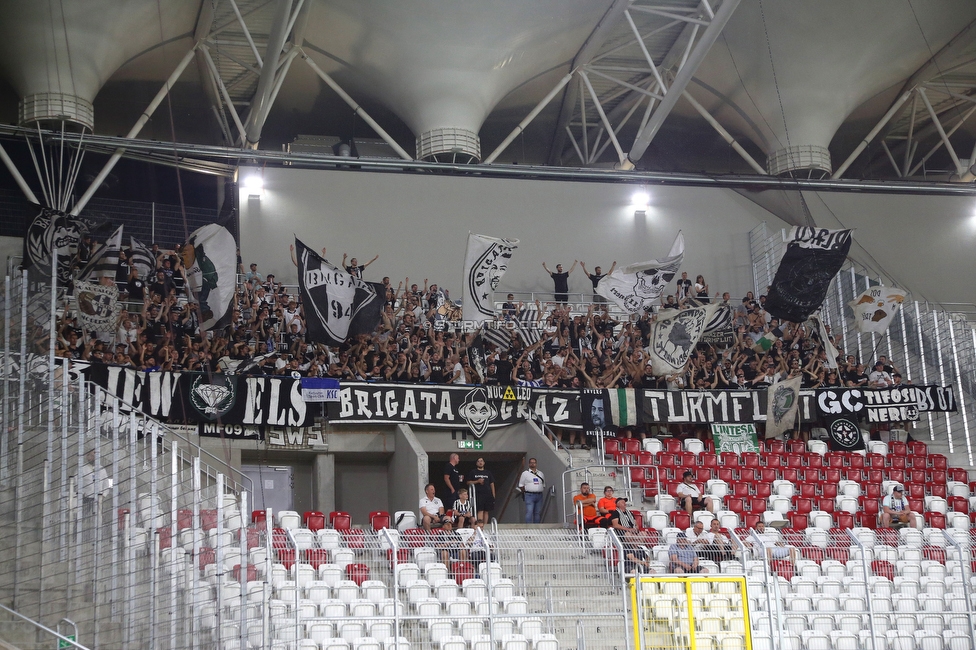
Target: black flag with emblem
{"type": "Point", "coordinates": [813, 257]}
{"type": "Point", "coordinates": [843, 433]}
{"type": "Point", "coordinates": [337, 305]}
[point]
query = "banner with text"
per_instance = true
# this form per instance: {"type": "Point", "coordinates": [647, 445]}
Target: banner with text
{"type": "Point", "coordinates": [723, 406]}
{"type": "Point", "coordinates": [737, 438]}
{"type": "Point", "coordinates": [893, 404]}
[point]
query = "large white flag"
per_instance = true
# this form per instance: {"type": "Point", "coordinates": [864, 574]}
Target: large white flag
{"type": "Point", "coordinates": [825, 339]}
{"type": "Point", "coordinates": [874, 309]}
{"type": "Point", "coordinates": [98, 306]}
{"type": "Point", "coordinates": [782, 403]}
{"type": "Point", "coordinates": [104, 263]}
{"type": "Point", "coordinates": [636, 287]}
{"type": "Point", "coordinates": [485, 262]}
{"type": "Point", "coordinates": [674, 336]}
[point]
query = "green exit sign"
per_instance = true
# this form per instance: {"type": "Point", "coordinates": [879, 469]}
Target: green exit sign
{"type": "Point", "coordinates": [64, 644]}
{"type": "Point", "coordinates": [471, 444]}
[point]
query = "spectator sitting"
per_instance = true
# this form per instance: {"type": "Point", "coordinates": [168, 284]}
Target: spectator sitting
{"type": "Point", "coordinates": [622, 521]}
{"type": "Point", "coordinates": [895, 511]}
{"type": "Point", "coordinates": [719, 547]}
{"type": "Point", "coordinates": [690, 495]}
{"type": "Point", "coordinates": [463, 515]}
{"type": "Point", "coordinates": [586, 501]}
{"type": "Point", "coordinates": [776, 548]}
{"type": "Point", "coordinates": [682, 557]}
{"type": "Point", "coordinates": [605, 507]}
{"type": "Point", "coordinates": [432, 510]}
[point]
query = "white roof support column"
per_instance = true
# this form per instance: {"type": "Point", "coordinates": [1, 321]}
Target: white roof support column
{"type": "Point", "coordinates": [725, 134]}
{"type": "Point", "coordinates": [942, 134]}
{"type": "Point", "coordinates": [681, 80]}
{"type": "Point", "coordinates": [261, 104]}
{"type": "Point", "coordinates": [870, 136]}
{"type": "Point", "coordinates": [380, 131]}
{"type": "Point", "coordinates": [18, 177]}
{"type": "Point", "coordinates": [603, 117]}
{"type": "Point", "coordinates": [215, 76]}
{"type": "Point", "coordinates": [134, 131]}
{"type": "Point", "coordinates": [528, 118]}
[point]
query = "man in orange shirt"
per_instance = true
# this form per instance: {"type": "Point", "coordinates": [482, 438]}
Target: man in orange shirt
{"type": "Point", "coordinates": [606, 507]}
{"type": "Point", "coordinates": [587, 501]}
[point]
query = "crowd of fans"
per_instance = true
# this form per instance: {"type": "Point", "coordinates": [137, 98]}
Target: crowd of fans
{"type": "Point", "coordinates": [580, 346]}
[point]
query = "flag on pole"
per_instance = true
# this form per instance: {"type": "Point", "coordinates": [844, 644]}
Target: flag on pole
{"type": "Point", "coordinates": [674, 336]}
{"type": "Point", "coordinates": [104, 262]}
{"type": "Point", "coordinates": [337, 305]}
{"type": "Point", "coordinates": [827, 345]}
{"type": "Point", "coordinates": [53, 231]}
{"type": "Point", "coordinates": [782, 403]}
{"type": "Point", "coordinates": [210, 261]}
{"type": "Point", "coordinates": [636, 287]}
{"type": "Point", "coordinates": [485, 262]}
{"type": "Point", "coordinates": [99, 308]}
{"type": "Point", "coordinates": [813, 257]}
{"type": "Point", "coordinates": [875, 308]}
{"type": "Point", "coordinates": [142, 258]}
{"type": "Point", "coordinates": [527, 326]}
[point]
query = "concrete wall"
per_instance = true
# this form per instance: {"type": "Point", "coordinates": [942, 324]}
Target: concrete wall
{"type": "Point", "coordinates": [362, 486]}
{"type": "Point", "coordinates": [408, 471]}
{"type": "Point", "coordinates": [10, 247]}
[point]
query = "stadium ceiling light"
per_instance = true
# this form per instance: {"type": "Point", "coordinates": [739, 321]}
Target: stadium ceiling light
{"type": "Point", "coordinates": [254, 184]}
{"type": "Point", "coordinates": [640, 201]}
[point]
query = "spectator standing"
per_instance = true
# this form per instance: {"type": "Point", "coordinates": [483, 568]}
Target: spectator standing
{"type": "Point", "coordinates": [453, 479]}
{"type": "Point", "coordinates": [560, 281]}
{"type": "Point", "coordinates": [532, 484]}
{"type": "Point", "coordinates": [595, 278]}
{"type": "Point", "coordinates": [482, 481]}
{"type": "Point", "coordinates": [355, 269]}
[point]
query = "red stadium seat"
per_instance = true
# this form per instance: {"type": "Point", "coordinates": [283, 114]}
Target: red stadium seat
{"type": "Point", "coordinates": [611, 445]}
{"type": "Point", "coordinates": [936, 490]}
{"type": "Point", "coordinates": [184, 518]}
{"type": "Point", "coordinates": [801, 474]}
{"type": "Point", "coordinates": [934, 553]}
{"type": "Point", "coordinates": [782, 568]}
{"type": "Point", "coordinates": [838, 537]}
{"type": "Point", "coordinates": [165, 537]}
{"type": "Point", "coordinates": [253, 538]}
{"type": "Point", "coordinates": [868, 505]}
{"type": "Point", "coordinates": [336, 513]}
{"type": "Point", "coordinates": [876, 475]}
{"type": "Point", "coordinates": [775, 446]}
{"type": "Point", "coordinates": [898, 462]}
{"type": "Point", "coordinates": [872, 490]}
{"type": "Point", "coordinates": [703, 474]}
{"type": "Point", "coordinates": [918, 505]}
{"type": "Point", "coordinates": [798, 521]}
{"type": "Point", "coordinates": [938, 476]}
{"type": "Point", "coordinates": [206, 556]}
{"type": "Point", "coordinates": [645, 458]}
{"type": "Point", "coordinates": [750, 459]}
{"type": "Point", "coordinates": [736, 505]}
{"type": "Point", "coordinates": [725, 474]}
{"type": "Point", "coordinates": [708, 460]}
{"type": "Point", "coordinates": [794, 460]}
{"type": "Point", "coordinates": [379, 519]}
{"type": "Point", "coordinates": [673, 445]}
{"type": "Point", "coordinates": [826, 505]}
{"type": "Point", "coordinates": [358, 573]}
{"type": "Point", "coordinates": [935, 520]}
{"type": "Point", "coordinates": [854, 460]}
{"type": "Point", "coordinates": [774, 460]}
{"type": "Point", "coordinates": [875, 461]}
{"type": "Point", "coordinates": [832, 475]}
{"type": "Point", "coordinates": [637, 474]}
{"type": "Point", "coordinates": [853, 474]}
{"type": "Point", "coordinates": [808, 490]}
{"type": "Point", "coordinates": [631, 445]}
{"type": "Point", "coordinates": [897, 448]}
{"type": "Point", "coordinates": [916, 476]}
{"type": "Point", "coordinates": [764, 490]}
{"type": "Point", "coordinates": [789, 474]}
{"type": "Point", "coordinates": [757, 505]}
{"type": "Point", "coordinates": [883, 568]}
{"type": "Point", "coordinates": [319, 556]}
{"type": "Point", "coordinates": [768, 474]}
{"type": "Point", "coordinates": [959, 474]}
{"type": "Point", "coordinates": [866, 520]}
{"type": "Point", "coordinates": [341, 521]}
{"type": "Point", "coordinates": [739, 489]}
{"type": "Point", "coordinates": [840, 553]}
{"type": "Point", "coordinates": [252, 572]}
{"type": "Point", "coordinates": [638, 519]}
{"type": "Point", "coordinates": [314, 521]}
{"type": "Point", "coordinates": [462, 571]}
{"type": "Point", "coordinates": [887, 537]}
{"type": "Point", "coordinates": [917, 448]}
{"type": "Point", "coordinates": [814, 460]}
{"type": "Point", "coordinates": [415, 537]}
{"type": "Point", "coordinates": [897, 475]}
{"type": "Point", "coordinates": [729, 459]}
{"type": "Point", "coordinates": [834, 459]}
{"type": "Point", "coordinates": [680, 519]}
{"type": "Point", "coordinates": [844, 519]}
{"type": "Point", "coordinates": [208, 519]}
{"type": "Point", "coordinates": [796, 447]}
{"type": "Point", "coordinates": [749, 474]}
{"type": "Point", "coordinates": [355, 538]}
{"type": "Point", "coordinates": [286, 556]}
{"type": "Point", "coordinates": [829, 489]}
{"type": "Point", "coordinates": [802, 505]}
{"type": "Point", "coordinates": [259, 517]}
{"type": "Point", "coordinates": [751, 519]}
{"type": "Point", "coordinates": [915, 490]}
{"type": "Point", "coordinates": [814, 553]}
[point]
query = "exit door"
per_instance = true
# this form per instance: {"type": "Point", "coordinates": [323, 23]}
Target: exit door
{"type": "Point", "coordinates": [273, 486]}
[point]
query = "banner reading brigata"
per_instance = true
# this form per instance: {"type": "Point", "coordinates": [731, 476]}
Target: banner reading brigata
{"type": "Point", "coordinates": [477, 407]}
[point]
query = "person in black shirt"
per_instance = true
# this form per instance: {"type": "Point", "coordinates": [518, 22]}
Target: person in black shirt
{"type": "Point", "coordinates": [162, 285]}
{"type": "Point", "coordinates": [560, 281]}
{"type": "Point", "coordinates": [482, 483]}
{"type": "Point", "coordinates": [453, 479]}
{"type": "Point", "coordinates": [595, 278]}
{"type": "Point", "coordinates": [355, 269]}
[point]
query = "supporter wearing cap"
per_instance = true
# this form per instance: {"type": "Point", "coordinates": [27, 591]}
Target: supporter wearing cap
{"type": "Point", "coordinates": [690, 495]}
{"type": "Point", "coordinates": [895, 510]}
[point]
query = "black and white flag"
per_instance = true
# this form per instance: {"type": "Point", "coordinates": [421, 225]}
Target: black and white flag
{"type": "Point", "coordinates": [813, 257]}
{"type": "Point", "coordinates": [53, 230]}
{"type": "Point", "coordinates": [210, 259]}
{"type": "Point", "coordinates": [674, 336]}
{"type": "Point", "coordinates": [476, 357]}
{"type": "Point", "coordinates": [843, 433]}
{"type": "Point", "coordinates": [718, 329]}
{"type": "Point", "coordinates": [636, 287]}
{"type": "Point", "coordinates": [104, 262]}
{"type": "Point", "coordinates": [98, 306]}
{"type": "Point", "coordinates": [783, 402]}
{"type": "Point", "coordinates": [528, 327]}
{"type": "Point", "coordinates": [142, 258]}
{"type": "Point", "coordinates": [485, 262]}
{"type": "Point", "coordinates": [498, 333]}
{"type": "Point", "coordinates": [337, 305]}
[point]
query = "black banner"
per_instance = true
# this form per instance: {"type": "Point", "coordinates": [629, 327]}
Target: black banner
{"type": "Point", "coordinates": [478, 408]}
{"type": "Point", "coordinates": [722, 406]}
{"type": "Point", "coordinates": [189, 397]}
{"type": "Point", "coordinates": [895, 404]}
{"type": "Point", "coordinates": [813, 257]}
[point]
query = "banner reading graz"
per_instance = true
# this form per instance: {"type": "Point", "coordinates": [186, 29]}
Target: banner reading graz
{"type": "Point", "coordinates": [706, 406]}
{"type": "Point", "coordinates": [197, 397]}
{"type": "Point", "coordinates": [478, 408]}
{"type": "Point", "coordinates": [886, 404]}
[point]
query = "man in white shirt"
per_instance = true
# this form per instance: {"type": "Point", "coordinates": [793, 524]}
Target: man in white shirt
{"type": "Point", "coordinates": [432, 510]}
{"type": "Point", "coordinates": [532, 484]}
{"type": "Point", "coordinates": [690, 496]}
{"type": "Point", "coordinates": [894, 508]}
{"type": "Point", "coordinates": [879, 378]}
{"type": "Point", "coordinates": [776, 548]}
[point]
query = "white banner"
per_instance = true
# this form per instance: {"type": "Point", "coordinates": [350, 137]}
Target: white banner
{"type": "Point", "coordinates": [485, 262]}
{"type": "Point", "coordinates": [98, 306]}
{"type": "Point", "coordinates": [636, 287]}
{"type": "Point", "coordinates": [874, 309]}
{"type": "Point", "coordinates": [674, 336]}
{"type": "Point", "coordinates": [783, 401]}
{"type": "Point", "coordinates": [210, 261]}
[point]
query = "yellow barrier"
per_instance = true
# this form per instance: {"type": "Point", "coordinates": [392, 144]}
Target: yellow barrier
{"type": "Point", "coordinates": [690, 613]}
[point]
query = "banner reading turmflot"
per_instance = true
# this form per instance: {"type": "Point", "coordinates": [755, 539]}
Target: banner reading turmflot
{"type": "Point", "coordinates": [813, 257]}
